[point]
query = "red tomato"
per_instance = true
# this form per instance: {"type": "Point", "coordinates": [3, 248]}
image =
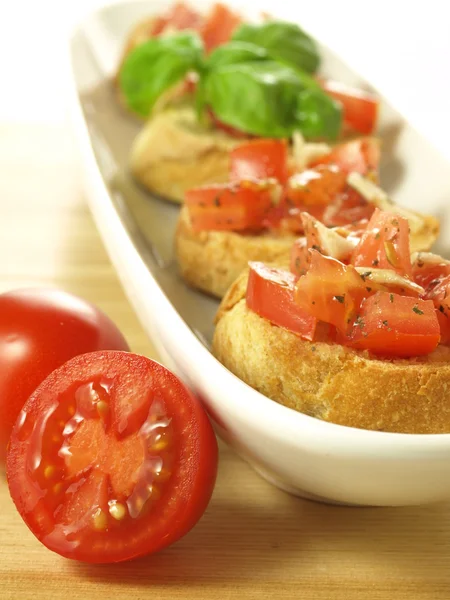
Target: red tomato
{"type": "Point", "coordinates": [180, 17]}
{"type": "Point", "coordinates": [270, 294]}
{"type": "Point", "coordinates": [444, 326]}
{"type": "Point", "coordinates": [349, 209]}
{"type": "Point", "coordinates": [395, 326]}
{"type": "Point", "coordinates": [40, 329]}
{"type": "Point", "coordinates": [429, 274]}
{"type": "Point", "coordinates": [439, 291]}
{"type": "Point", "coordinates": [385, 244]}
{"type": "Point", "coordinates": [219, 26]}
{"type": "Point", "coordinates": [230, 207]}
{"type": "Point", "coordinates": [317, 187]}
{"type": "Point", "coordinates": [361, 156]}
{"type": "Point", "coordinates": [360, 108]}
{"type": "Point", "coordinates": [259, 159]}
{"type": "Point", "coordinates": [111, 458]}
{"type": "Point", "coordinates": [331, 291]}
{"type": "Point", "coordinates": [228, 129]}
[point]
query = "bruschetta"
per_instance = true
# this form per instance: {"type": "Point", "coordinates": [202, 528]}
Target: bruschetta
{"type": "Point", "coordinates": [361, 342]}
{"type": "Point", "coordinates": [204, 83]}
{"type": "Point", "coordinates": [258, 215]}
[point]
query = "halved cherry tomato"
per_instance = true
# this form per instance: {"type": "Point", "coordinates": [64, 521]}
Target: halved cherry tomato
{"type": "Point", "coordinates": [270, 294]}
{"type": "Point", "coordinates": [360, 108]}
{"type": "Point", "coordinates": [219, 26]}
{"type": "Point", "coordinates": [361, 156]}
{"type": "Point", "coordinates": [230, 207]}
{"type": "Point", "coordinates": [316, 187]}
{"type": "Point", "coordinates": [385, 244]}
{"type": "Point", "coordinates": [40, 329]}
{"type": "Point", "coordinates": [111, 458]}
{"type": "Point", "coordinates": [259, 159]}
{"type": "Point", "coordinates": [395, 326]}
{"type": "Point", "coordinates": [331, 291]}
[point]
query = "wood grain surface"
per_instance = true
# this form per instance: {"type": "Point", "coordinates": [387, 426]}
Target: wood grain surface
{"type": "Point", "coordinates": [254, 540]}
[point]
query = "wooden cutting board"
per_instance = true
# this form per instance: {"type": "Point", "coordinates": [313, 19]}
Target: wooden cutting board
{"type": "Point", "coordinates": [254, 540]}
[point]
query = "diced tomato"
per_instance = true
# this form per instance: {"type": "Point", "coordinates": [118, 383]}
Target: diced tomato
{"type": "Point", "coordinates": [427, 273]}
{"type": "Point", "coordinates": [270, 294]}
{"type": "Point", "coordinates": [440, 294]}
{"type": "Point", "coordinates": [300, 257]}
{"type": "Point", "coordinates": [361, 156]}
{"type": "Point", "coordinates": [259, 159]}
{"type": "Point", "coordinates": [219, 26]}
{"type": "Point", "coordinates": [360, 108]}
{"type": "Point", "coordinates": [331, 291]}
{"type": "Point", "coordinates": [180, 17]}
{"type": "Point", "coordinates": [444, 325]}
{"type": "Point", "coordinates": [395, 326]}
{"type": "Point", "coordinates": [348, 208]}
{"type": "Point", "coordinates": [315, 187]}
{"type": "Point", "coordinates": [230, 207]}
{"type": "Point", "coordinates": [385, 244]}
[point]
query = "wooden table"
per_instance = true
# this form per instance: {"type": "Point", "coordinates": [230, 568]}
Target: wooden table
{"type": "Point", "coordinates": [254, 540]}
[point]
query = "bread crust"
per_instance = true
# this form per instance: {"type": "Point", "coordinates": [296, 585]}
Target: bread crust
{"type": "Point", "coordinates": [211, 260]}
{"type": "Point", "coordinates": [329, 381]}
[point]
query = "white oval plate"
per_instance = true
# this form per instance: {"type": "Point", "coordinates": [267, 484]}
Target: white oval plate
{"type": "Point", "coordinates": [298, 453]}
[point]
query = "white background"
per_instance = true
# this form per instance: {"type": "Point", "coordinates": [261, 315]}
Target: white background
{"type": "Point", "coordinates": [403, 47]}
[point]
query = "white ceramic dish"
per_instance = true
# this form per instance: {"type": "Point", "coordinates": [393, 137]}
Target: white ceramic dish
{"type": "Point", "coordinates": [298, 453]}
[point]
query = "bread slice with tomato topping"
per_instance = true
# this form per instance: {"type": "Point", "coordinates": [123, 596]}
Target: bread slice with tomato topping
{"type": "Point", "coordinates": [361, 341]}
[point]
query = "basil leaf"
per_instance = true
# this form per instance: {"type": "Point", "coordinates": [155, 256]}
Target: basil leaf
{"type": "Point", "coordinates": [284, 42]}
{"type": "Point", "coordinates": [260, 98]}
{"type": "Point", "coordinates": [235, 52]}
{"type": "Point", "coordinates": [155, 66]}
{"type": "Point", "coordinates": [318, 115]}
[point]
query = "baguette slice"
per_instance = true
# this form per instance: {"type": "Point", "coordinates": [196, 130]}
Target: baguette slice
{"type": "Point", "coordinates": [329, 381]}
{"type": "Point", "coordinates": [211, 260]}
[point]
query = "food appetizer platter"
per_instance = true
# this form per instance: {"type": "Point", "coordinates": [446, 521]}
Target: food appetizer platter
{"type": "Point", "coordinates": [303, 210]}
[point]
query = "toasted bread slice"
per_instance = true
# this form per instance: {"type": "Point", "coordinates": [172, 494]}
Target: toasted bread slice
{"type": "Point", "coordinates": [211, 260]}
{"type": "Point", "coordinates": [329, 381]}
{"type": "Point", "coordinates": [173, 153]}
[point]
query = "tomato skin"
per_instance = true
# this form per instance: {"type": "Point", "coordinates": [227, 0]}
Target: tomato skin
{"type": "Point", "coordinates": [360, 109]}
{"type": "Point", "coordinates": [385, 244]}
{"type": "Point", "coordinates": [230, 207]}
{"type": "Point", "coordinates": [40, 329]}
{"type": "Point", "coordinates": [270, 293]}
{"type": "Point", "coordinates": [259, 159]}
{"type": "Point", "coordinates": [113, 464]}
{"type": "Point", "coordinates": [395, 326]}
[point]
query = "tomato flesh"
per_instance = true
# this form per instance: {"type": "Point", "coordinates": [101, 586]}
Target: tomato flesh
{"type": "Point", "coordinates": [315, 187]}
{"type": "Point", "coordinates": [331, 291]}
{"type": "Point", "coordinates": [259, 159]}
{"type": "Point", "coordinates": [360, 156]}
{"type": "Point", "coordinates": [395, 326]}
{"type": "Point", "coordinates": [429, 275]}
{"type": "Point", "coordinates": [270, 294]}
{"type": "Point", "coordinates": [230, 207]}
{"type": "Point", "coordinates": [111, 458]}
{"type": "Point", "coordinates": [219, 26]}
{"type": "Point", "coordinates": [40, 329]}
{"type": "Point", "coordinates": [385, 244]}
{"type": "Point", "coordinates": [360, 109]}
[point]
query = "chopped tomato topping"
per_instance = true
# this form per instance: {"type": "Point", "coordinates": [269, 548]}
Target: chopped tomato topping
{"type": "Point", "coordinates": [429, 274]}
{"type": "Point", "coordinates": [315, 187]}
{"type": "Point", "coordinates": [444, 325]}
{"type": "Point", "coordinates": [219, 26]}
{"type": "Point", "coordinates": [230, 207]}
{"type": "Point", "coordinates": [331, 291]}
{"type": "Point", "coordinates": [360, 109]}
{"type": "Point", "coordinates": [385, 244]}
{"type": "Point", "coordinates": [180, 17]}
{"type": "Point", "coordinates": [300, 257]}
{"type": "Point", "coordinates": [395, 326]}
{"type": "Point", "coordinates": [270, 294]}
{"type": "Point", "coordinates": [361, 155]}
{"type": "Point", "coordinates": [439, 293]}
{"type": "Point", "coordinates": [259, 159]}
{"type": "Point", "coordinates": [349, 208]}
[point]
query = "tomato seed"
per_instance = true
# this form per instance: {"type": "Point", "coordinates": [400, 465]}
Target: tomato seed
{"type": "Point", "coordinates": [117, 510]}
{"type": "Point", "coordinates": [100, 520]}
